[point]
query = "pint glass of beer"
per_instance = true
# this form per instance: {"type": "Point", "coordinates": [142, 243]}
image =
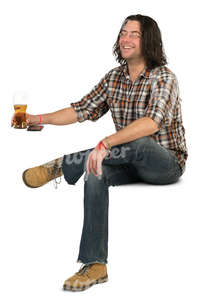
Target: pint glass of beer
{"type": "Point", "coordinates": [20, 101]}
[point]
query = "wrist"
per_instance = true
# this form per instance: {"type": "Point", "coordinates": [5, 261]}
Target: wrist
{"type": "Point", "coordinates": [104, 144]}
{"type": "Point", "coordinates": [101, 145]}
{"type": "Point", "coordinates": [107, 143]}
{"type": "Point", "coordinates": [36, 119]}
{"type": "Point", "coordinates": [33, 119]}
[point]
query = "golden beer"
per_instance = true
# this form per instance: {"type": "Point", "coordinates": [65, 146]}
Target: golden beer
{"type": "Point", "coordinates": [20, 116]}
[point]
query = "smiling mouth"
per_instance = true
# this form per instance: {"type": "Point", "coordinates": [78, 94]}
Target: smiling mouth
{"type": "Point", "coordinates": [127, 48]}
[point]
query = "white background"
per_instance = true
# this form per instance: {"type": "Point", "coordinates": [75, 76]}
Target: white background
{"type": "Point", "coordinates": [57, 50]}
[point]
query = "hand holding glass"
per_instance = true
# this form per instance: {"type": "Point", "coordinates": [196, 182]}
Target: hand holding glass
{"type": "Point", "coordinates": [20, 102]}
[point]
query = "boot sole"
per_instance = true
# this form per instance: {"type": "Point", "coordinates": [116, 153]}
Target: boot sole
{"type": "Point", "coordinates": [76, 289]}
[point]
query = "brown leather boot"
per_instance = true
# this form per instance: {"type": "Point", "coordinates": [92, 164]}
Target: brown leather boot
{"type": "Point", "coordinates": [87, 276]}
{"type": "Point", "coordinates": [38, 176]}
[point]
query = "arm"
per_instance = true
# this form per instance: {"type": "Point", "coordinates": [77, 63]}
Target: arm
{"type": "Point", "coordinates": [61, 117]}
{"type": "Point", "coordinates": [137, 129]}
{"type": "Point", "coordinates": [91, 107]}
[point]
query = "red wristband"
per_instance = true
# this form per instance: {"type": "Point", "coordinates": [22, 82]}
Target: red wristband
{"type": "Point", "coordinates": [40, 118]}
{"type": "Point", "coordinates": [100, 144]}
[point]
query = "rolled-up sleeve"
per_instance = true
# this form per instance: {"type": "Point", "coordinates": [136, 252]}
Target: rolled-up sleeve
{"type": "Point", "coordinates": [164, 93]}
{"type": "Point", "coordinates": [94, 104]}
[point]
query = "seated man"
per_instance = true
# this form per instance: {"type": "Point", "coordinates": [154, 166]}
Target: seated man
{"type": "Point", "coordinates": [149, 144]}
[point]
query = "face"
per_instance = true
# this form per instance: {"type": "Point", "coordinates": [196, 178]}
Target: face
{"type": "Point", "coordinates": [130, 41]}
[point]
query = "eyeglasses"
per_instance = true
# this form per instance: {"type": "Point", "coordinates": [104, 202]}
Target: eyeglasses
{"type": "Point", "coordinates": [133, 35]}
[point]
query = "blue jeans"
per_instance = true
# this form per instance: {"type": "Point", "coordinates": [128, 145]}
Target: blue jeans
{"type": "Point", "coordinates": [142, 160]}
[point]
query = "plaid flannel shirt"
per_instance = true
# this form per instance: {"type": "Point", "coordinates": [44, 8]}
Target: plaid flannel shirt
{"type": "Point", "coordinates": [154, 94]}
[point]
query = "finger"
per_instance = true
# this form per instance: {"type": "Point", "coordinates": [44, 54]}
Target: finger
{"type": "Point", "coordinates": [87, 164]}
{"type": "Point", "coordinates": [94, 163]}
{"type": "Point", "coordinates": [27, 119]}
{"type": "Point", "coordinates": [12, 121]}
{"type": "Point", "coordinates": [99, 165]}
{"type": "Point", "coordinates": [90, 162]}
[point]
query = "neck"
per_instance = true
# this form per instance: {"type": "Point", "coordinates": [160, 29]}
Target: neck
{"type": "Point", "coordinates": [136, 67]}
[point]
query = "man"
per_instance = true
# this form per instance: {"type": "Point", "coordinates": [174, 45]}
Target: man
{"type": "Point", "coordinates": [149, 144]}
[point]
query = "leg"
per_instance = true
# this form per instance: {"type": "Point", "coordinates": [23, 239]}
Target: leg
{"type": "Point", "coordinates": [149, 161]}
{"type": "Point", "coordinates": [146, 159]}
{"type": "Point", "coordinates": [139, 160]}
{"type": "Point", "coordinates": [156, 164]}
{"type": "Point", "coordinates": [94, 239]}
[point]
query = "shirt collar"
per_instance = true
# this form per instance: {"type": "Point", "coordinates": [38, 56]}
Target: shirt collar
{"type": "Point", "coordinates": [145, 73]}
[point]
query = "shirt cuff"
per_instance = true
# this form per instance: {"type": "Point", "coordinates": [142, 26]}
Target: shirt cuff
{"type": "Point", "coordinates": [80, 112]}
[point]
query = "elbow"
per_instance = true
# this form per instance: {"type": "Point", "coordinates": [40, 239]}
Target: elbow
{"type": "Point", "coordinates": [153, 125]}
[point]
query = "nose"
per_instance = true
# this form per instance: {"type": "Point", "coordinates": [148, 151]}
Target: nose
{"type": "Point", "coordinates": [125, 38]}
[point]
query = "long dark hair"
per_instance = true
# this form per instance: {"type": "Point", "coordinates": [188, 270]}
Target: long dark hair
{"type": "Point", "coordinates": [152, 46]}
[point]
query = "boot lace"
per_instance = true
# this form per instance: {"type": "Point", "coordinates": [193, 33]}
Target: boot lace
{"type": "Point", "coordinates": [84, 269]}
{"type": "Point", "coordinates": [55, 171]}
